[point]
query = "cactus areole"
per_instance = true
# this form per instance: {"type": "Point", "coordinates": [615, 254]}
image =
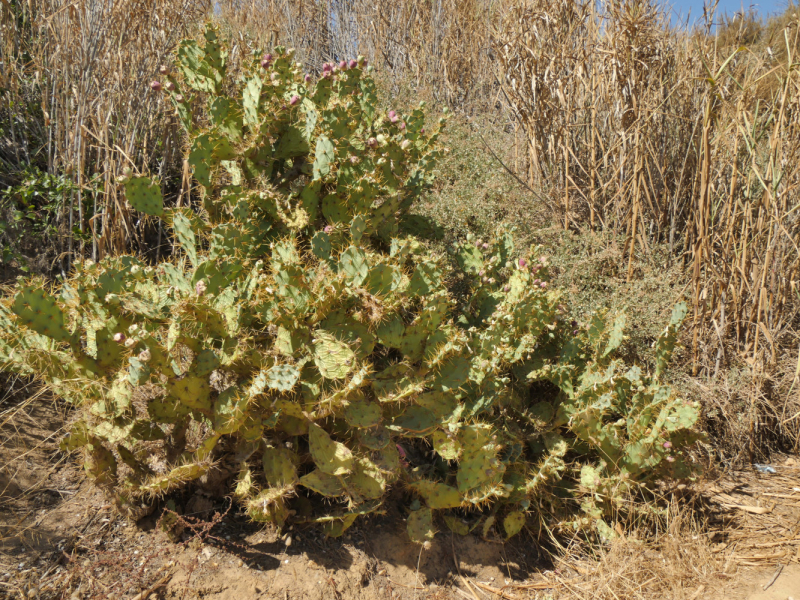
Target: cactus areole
{"type": "Point", "coordinates": [303, 338]}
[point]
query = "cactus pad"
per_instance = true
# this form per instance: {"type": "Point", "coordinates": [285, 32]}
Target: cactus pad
{"type": "Point", "coordinates": [145, 196]}
{"type": "Point", "coordinates": [283, 377]}
{"type": "Point", "coordinates": [322, 483]}
{"type": "Point", "coordinates": [420, 525]}
{"type": "Point", "coordinates": [513, 523]}
{"type": "Point", "coordinates": [333, 358]}
{"type": "Point", "coordinates": [39, 311]}
{"type": "Point", "coordinates": [192, 391]}
{"type": "Point", "coordinates": [437, 495]}
{"type": "Point", "coordinates": [447, 447]}
{"type": "Point", "coordinates": [363, 414]}
{"type": "Point", "coordinates": [330, 456]}
{"type": "Point", "coordinates": [279, 468]}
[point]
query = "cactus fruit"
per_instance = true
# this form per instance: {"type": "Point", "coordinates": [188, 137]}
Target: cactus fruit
{"type": "Point", "coordinates": [155, 86]}
{"type": "Point", "coordinates": [295, 332]}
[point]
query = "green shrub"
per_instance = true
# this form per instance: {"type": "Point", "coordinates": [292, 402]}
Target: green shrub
{"type": "Point", "coordinates": [302, 341]}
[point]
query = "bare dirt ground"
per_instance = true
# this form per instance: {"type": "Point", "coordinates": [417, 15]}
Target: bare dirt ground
{"type": "Point", "coordinates": [61, 538]}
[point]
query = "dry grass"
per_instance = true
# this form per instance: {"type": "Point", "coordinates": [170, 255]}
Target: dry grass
{"type": "Point", "coordinates": [77, 101]}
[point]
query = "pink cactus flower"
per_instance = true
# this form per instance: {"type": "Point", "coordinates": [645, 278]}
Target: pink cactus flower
{"type": "Point", "coordinates": [328, 228]}
{"type": "Point", "coordinates": [522, 262]}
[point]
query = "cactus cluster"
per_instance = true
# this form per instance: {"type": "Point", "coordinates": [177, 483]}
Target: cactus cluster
{"type": "Point", "coordinates": [301, 342]}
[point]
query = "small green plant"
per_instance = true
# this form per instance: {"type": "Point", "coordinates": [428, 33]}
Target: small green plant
{"type": "Point", "coordinates": [29, 214]}
{"type": "Point", "coordinates": [302, 342]}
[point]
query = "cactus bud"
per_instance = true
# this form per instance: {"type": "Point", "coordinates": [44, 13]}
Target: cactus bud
{"type": "Point", "coordinates": [543, 284]}
{"type": "Point", "coordinates": [343, 65]}
{"type": "Point", "coordinates": [372, 143]}
{"type": "Point", "coordinates": [307, 78]}
{"type": "Point", "coordinates": [482, 273]}
{"type": "Point", "coordinates": [170, 86]}
{"type": "Point", "coordinates": [274, 76]}
{"type": "Point", "coordinates": [392, 114]}
{"type": "Point", "coordinates": [265, 64]}
{"type": "Point", "coordinates": [326, 67]}
{"type": "Point", "coordinates": [294, 100]}
{"type": "Point", "coordinates": [522, 262]}
{"type": "Point", "coordinates": [507, 288]}
{"type": "Point", "coordinates": [144, 355]}
{"type": "Point", "coordinates": [200, 288]}
{"type": "Point", "coordinates": [405, 144]}
{"type": "Point", "coordinates": [163, 69]}
{"type": "Point", "coordinates": [267, 57]}
{"type": "Point", "coordinates": [130, 342]}
{"type": "Point", "coordinates": [155, 86]}
{"type": "Point", "coordinates": [179, 98]}
{"type": "Point", "coordinates": [485, 246]}
{"type": "Point", "coordinates": [353, 64]}
{"type": "Point", "coordinates": [119, 337]}
{"type": "Point", "coordinates": [326, 74]}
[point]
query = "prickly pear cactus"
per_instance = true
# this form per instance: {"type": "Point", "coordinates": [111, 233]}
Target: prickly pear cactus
{"type": "Point", "coordinates": [298, 340]}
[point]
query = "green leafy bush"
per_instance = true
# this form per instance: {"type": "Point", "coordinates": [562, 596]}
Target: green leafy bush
{"type": "Point", "coordinates": [300, 341]}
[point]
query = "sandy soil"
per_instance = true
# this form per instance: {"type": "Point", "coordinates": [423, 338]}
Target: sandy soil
{"type": "Point", "coordinates": [61, 538]}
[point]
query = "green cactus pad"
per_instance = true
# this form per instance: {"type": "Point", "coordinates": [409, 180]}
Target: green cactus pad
{"type": "Point", "coordinates": [251, 100]}
{"type": "Point", "coordinates": [38, 311]}
{"type": "Point", "coordinates": [330, 456]}
{"type": "Point", "coordinates": [324, 156]}
{"type": "Point", "coordinates": [279, 469]}
{"type": "Point", "coordinates": [426, 279]}
{"type": "Point", "coordinates": [415, 421]}
{"type": "Point", "coordinates": [205, 362]}
{"type": "Point", "coordinates": [268, 507]}
{"type": "Point", "coordinates": [447, 447]}
{"type": "Point", "coordinates": [200, 157]}
{"type": "Point", "coordinates": [184, 230]}
{"type": "Point", "coordinates": [513, 523]}
{"type": "Point", "coordinates": [353, 263]}
{"type": "Point", "coordinates": [374, 439]}
{"type": "Point", "coordinates": [283, 377]}
{"type": "Point", "coordinates": [321, 245]}
{"type": "Point", "coordinates": [456, 525]}
{"type": "Point", "coordinates": [145, 196]}
{"type": "Point", "coordinates": [333, 358]}
{"type": "Point", "coordinates": [420, 525]}
{"type": "Point", "coordinates": [322, 483]}
{"type": "Point", "coordinates": [167, 410]}
{"type": "Point", "coordinates": [335, 527]}
{"type": "Point", "coordinates": [230, 411]}
{"type": "Point", "coordinates": [366, 480]}
{"type": "Point", "coordinates": [478, 469]}
{"type": "Point", "coordinates": [390, 332]}
{"type": "Point", "coordinates": [192, 391]}
{"type": "Point", "coordinates": [363, 414]}
{"type": "Point", "coordinates": [437, 495]}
